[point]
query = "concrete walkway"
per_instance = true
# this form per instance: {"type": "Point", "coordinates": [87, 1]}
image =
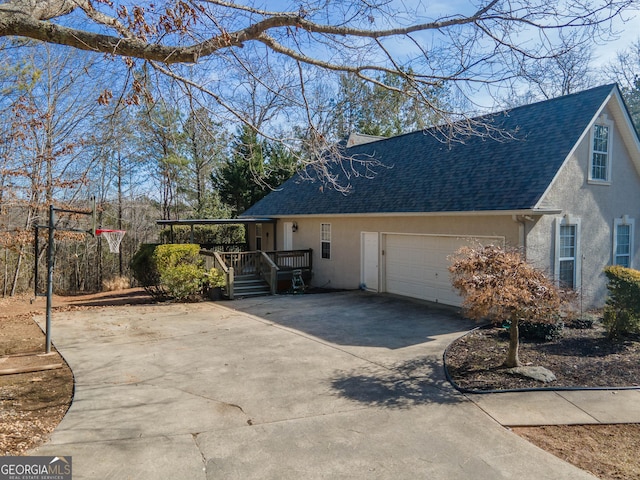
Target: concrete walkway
{"type": "Point", "coordinates": [343, 385]}
{"type": "Point", "coordinates": [576, 407]}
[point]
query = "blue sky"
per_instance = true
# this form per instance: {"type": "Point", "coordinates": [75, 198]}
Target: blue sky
{"type": "Point", "coordinates": [624, 30]}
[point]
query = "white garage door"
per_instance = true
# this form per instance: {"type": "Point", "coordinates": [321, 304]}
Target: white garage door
{"type": "Point", "coordinates": [417, 265]}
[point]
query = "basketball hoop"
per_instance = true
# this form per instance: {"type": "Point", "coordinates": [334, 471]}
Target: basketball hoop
{"type": "Point", "coordinates": [114, 237]}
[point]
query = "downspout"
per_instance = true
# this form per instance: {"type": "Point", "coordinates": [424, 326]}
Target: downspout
{"type": "Point", "coordinates": [522, 220]}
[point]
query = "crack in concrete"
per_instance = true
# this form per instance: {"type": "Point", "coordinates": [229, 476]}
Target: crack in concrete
{"type": "Point", "coordinates": [215, 400]}
{"type": "Point", "coordinates": [194, 436]}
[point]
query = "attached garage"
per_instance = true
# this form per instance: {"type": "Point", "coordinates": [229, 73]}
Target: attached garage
{"type": "Point", "coordinates": [417, 265]}
{"type": "Point", "coordinates": [392, 231]}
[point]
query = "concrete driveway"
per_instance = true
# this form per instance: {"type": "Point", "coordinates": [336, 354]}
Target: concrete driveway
{"type": "Point", "coordinates": [343, 385]}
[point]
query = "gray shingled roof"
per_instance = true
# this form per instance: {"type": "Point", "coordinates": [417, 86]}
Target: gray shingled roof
{"type": "Point", "coordinates": [425, 174]}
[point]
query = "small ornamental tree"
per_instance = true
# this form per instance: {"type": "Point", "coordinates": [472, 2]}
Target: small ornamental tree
{"type": "Point", "coordinates": [498, 284]}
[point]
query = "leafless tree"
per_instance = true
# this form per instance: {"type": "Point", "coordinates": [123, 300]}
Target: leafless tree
{"type": "Point", "coordinates": [202, 42]}
{"type": "Point", "coordinates": [50, 101]}
{"type": "Point", "coordinates": [625, 71]}
{"type": "Point", "coordinates": [555, 76]}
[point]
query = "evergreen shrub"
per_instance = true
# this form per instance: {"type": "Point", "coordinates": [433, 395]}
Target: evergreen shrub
{"type": "Point", "coordinates": [622, 311]}
{"type": "Point", "coordinates": [174, 271]}
{"type": "Point", "coordinates": [145, 271]}
{"type": "Point", "coordinates": [540, 331]}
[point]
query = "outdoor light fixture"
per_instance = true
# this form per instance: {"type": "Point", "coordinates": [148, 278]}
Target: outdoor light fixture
{"type": "Point", "coordinates": [294, 227]}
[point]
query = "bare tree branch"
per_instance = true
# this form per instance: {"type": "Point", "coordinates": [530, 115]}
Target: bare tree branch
{"type": "Point", "coordinates": [30, 18]}
{"type": "Point", "coordinates": [489, 42]}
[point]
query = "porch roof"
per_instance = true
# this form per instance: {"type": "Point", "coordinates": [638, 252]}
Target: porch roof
{"type": "Point", "coordinates": [217, 221]}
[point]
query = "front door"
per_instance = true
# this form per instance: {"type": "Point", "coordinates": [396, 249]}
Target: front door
{"type": "Point", "coordinates": [370, 250]}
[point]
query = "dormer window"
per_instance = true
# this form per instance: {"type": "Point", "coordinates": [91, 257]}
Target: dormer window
{"type": "Point", "coordinates": [600, 160]}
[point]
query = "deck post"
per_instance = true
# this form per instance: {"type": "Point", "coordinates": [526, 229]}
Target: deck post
{"type": "Point", "coordinates": [274, 280]}
{"type": "Point", "coordinates": [230, 282]}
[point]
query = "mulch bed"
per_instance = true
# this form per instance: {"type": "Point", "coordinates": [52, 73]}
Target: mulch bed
{"type": "Point", "coordinates": [579, 358]}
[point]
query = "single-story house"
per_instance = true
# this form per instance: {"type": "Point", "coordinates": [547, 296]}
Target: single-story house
{"type": "Point", "coordinates": [558, 178]}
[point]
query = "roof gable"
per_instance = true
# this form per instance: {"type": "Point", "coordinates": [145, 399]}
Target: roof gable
{"type": "Point", "coordinates": [475, 173]}
{"type": "Point", "coordinates": [623, 124]}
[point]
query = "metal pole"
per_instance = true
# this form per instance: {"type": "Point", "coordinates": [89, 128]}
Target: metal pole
{"type": "Point", "coordinates": [93, 216]}
{"type": "Point", "coordinates": [35, 265]}
{"type": "Point", "coordinates": [50, 252]}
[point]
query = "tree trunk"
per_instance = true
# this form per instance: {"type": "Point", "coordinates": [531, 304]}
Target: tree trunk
{"type": "Point", "coordinates": [6, 272]}
{"type": "Point", "coordinates": [512, 355]}
{"type": "Point", "coordinates": [16, 275]}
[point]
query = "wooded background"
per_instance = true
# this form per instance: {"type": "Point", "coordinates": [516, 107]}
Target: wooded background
{"type": "Point", "coordinates": [207, 140]}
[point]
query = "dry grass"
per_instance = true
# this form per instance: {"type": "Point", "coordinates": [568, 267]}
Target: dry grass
{"type": "Point", "coordinates": [116, 283]}
{"type": "Point", "coordinates": [610, 452]}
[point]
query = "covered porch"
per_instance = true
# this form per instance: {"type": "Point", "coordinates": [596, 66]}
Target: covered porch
{"type": "Point", "coordinates": [196, 231]}
{"type": "Point", "coordinates": [252, 267]}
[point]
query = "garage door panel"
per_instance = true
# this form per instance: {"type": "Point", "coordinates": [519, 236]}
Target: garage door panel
{"type": "Point", "coordinates": [417, 265]}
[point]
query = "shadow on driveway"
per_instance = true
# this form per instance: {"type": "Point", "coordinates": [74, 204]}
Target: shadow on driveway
{"type": "Point", "coordinates": [414, 382]}
{"type": "Point", "coordinates": [401, 342]}
{"type": "Point", "coordinates": [358, 318]}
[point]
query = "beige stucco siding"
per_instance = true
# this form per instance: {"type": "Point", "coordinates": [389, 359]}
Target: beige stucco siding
{"type": "Point", "coordinates": [595, 209]}
{"type": "Point", "coordinates": [595, 206]}
{"type": "Point", "coordinates": [343, 269]}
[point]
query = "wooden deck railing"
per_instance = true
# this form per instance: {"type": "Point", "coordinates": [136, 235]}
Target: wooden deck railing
{"type": "Point", "coordinates": [223, 247]}
{"type": "Point", "coordinates": [269, 272]}
{"type": "Point", "coordinates": [214, 260]}
{"type": "Point", "coordinates": [243, 263]}
{"type": "Point", "coordinates": [292, 259]}
{"type": "Point", "coordinates": [264, 264]}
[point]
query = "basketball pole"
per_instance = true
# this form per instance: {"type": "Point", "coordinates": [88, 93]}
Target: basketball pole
{"type": "Point", "coordinates": [93, 216]}
{"type": "Point", "coordinates": [51, 257]}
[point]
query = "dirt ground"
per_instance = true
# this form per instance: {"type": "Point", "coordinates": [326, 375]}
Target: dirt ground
{"type": "Point", "coordinates": [33, 403]}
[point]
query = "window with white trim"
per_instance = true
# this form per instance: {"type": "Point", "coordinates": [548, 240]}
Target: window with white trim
{"type": "Point", "coordinates": [325, 240]}
{"type": "Point", "coordinates": [567, 263]}
{"type": "Point", "coordinates": [600, 154]}
{"type": "Point", "coordinates": [623, 241]}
